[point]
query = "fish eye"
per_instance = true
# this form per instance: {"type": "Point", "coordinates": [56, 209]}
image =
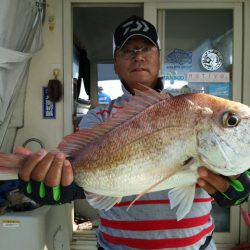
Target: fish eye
{"type": "Point", "coordinates": [230, 119]}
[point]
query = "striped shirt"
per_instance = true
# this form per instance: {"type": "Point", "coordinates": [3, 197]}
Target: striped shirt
{"type": "Point", "coordinates": [150, 223]}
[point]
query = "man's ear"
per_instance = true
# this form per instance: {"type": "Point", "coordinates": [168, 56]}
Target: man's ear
{"type": "Point", "coordinates": [115, 65]}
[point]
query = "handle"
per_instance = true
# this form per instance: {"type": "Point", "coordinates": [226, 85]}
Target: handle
{"type": "Point", "coordinates": [34, 140]}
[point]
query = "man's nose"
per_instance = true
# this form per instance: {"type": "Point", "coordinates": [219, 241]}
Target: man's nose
{"type": "Point", "coordinates": [139, 56]}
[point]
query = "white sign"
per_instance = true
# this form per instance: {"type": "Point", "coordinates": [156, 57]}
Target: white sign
{"type": "Point", "coordinates": [208, 77]}
{"type": "Point", "coordinates": [11, 223]}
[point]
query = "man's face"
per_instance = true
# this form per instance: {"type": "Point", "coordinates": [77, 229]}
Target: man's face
{"type": "Point", "coordinates": [141, 66]}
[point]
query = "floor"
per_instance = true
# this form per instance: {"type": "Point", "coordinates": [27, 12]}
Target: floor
{"type": "Point", "coordinates": [84, 240]}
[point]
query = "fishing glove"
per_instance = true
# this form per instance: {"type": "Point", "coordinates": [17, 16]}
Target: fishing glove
{"type": "Point", "coordinates": [237, 193]}
{"type": "Point", "coordinates": [46, 195]}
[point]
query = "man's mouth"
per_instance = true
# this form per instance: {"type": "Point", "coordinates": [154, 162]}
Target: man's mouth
{"type": "Point", "coordinates": [138, 70]}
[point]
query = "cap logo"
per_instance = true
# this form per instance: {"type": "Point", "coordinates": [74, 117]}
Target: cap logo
{"type": "Point", "coordinates": [140, 25]}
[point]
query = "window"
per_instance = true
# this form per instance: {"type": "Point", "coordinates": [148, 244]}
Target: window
{"type": "Point", "coordinates": [109, 85]}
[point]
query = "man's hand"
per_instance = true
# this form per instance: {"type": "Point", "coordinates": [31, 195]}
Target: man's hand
{"type": "Point", "coordinates": [226, 191]}
{"type": "Point", "coordinates": [52, 168]}
{"type": "Point", "coordinates": [47, 178]}
{"type": "Point", "coordinates": [212, 182]}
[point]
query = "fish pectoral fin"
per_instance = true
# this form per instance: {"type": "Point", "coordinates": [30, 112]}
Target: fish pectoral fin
{"type": "Point", "coordinates": [100, 201]}
{"type": "Point", "coordinates": [183, 198]}
{"type": "Point", "coordinates": [171, 173]}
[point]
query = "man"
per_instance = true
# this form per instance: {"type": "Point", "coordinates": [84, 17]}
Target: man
{"type": "Point", "coordinates": [103, 98]}
{"type": "Point", "coordinates": [150, 224]}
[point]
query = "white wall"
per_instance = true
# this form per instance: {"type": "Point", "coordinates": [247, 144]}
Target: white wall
{"type": "Point", "coordinates": [50, 132]}
{"type": "Point", "coordinates": [59, 227]}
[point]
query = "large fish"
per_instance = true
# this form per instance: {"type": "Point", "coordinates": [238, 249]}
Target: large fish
{"type": "Point", "coordinates": [157, 142]}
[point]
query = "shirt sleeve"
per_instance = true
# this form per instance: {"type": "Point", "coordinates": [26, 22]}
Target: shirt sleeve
{"type": "Point", "coordinates": [90, 119]}
{"type": "Point", "coordinates": [101, 114]}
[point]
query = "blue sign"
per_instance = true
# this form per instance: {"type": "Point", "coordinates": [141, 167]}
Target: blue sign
{"type": "Point", "coordinates": [49, 107]}
{"type": "Point", "coordinates": [220, 90]}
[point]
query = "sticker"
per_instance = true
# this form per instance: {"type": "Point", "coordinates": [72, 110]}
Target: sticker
{"type": "Point", "coordinates": [172, 77]}
{"type": "Point", "coordinates": [49, 107]}
{"type": "Point", "coordinates": [179, 56]}
{"type": "Point", "coordinates": [211, 60]}
{"type": "Point", "coordinates": [11, 223]}
{"type": "Point", "coordinates": [199, 89]}
{"type": "Point", "coordinates": [208, 77]}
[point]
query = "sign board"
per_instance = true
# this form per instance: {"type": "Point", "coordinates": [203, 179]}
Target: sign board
{"type": "Point", "coordinates": [49, 107]}
{"type": "Point", "coordinates": [208, 77]}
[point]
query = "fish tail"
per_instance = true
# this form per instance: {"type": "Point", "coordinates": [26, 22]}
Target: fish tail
{"type": "Point", "coordinates": [10, 163]}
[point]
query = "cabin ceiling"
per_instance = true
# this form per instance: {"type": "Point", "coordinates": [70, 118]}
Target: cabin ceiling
{"type": "Point", "coordinates": [94, 26]}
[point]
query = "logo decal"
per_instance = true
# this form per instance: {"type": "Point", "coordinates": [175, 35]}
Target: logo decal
{"type": "Point", "coordinates": [180, 57]}
{"type": "Point", "coordinates": [211, 59]}
{"type": "Point", "coordinates": [140, 25]}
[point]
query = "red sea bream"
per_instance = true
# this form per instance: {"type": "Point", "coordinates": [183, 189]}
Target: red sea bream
{"type": "Point", "coordinates": [157, 142]}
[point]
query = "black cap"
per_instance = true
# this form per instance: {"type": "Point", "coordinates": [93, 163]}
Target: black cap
{"type": "Point", "coordinates": [134, 26]}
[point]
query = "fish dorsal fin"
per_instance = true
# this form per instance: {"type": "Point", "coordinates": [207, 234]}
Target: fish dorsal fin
{"type": "Point", "coordinates": [74, 143]}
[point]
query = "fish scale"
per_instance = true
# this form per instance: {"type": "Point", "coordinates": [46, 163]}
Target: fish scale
{"type": "Point", "coordinates": [144, 123]}
{"type": "Point", "coordinates": [129, 163]}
